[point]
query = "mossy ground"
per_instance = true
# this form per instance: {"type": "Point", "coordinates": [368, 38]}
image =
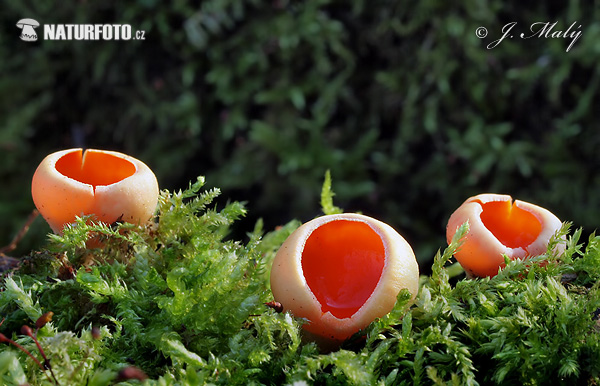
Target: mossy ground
{"type": "Point", "coordinates": [180, 300]}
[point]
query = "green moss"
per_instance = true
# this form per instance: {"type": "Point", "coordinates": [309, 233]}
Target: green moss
{"type": "Point", "coordinates": [180, 300]}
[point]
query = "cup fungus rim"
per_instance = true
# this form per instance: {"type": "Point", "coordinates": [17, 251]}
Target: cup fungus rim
{"type": "Point", "coordinates": [344, 217]}
{"type": "Point", "coordinates": [84, 151]}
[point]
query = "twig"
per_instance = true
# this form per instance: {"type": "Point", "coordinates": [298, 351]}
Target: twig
{"type": "Point", "coordinates": [15, 241]}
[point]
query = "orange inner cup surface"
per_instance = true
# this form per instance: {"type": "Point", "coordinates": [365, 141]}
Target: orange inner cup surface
{"type": "Point", "coordinates": [511, 225]}
{"type": "Point", "coordinates": [94, 168]}
{"type": "Point", "coordinates": [342, 263]}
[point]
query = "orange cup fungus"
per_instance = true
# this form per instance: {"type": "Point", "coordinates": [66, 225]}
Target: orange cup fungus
{"type": "Point", "coordinates": [498, 226]}
{"type": "Point", "coordinates": [110, 185]}
{"type": "Point", "coordinates": [341, 272]}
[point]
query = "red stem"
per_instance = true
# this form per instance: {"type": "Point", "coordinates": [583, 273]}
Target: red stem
{"type": "Point", "coordinates": [3, 338]}
{"type": "Point", "coordinates": [27, 331]}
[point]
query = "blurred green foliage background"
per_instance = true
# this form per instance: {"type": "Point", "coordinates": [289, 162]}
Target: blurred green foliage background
{"type": "Point", "coordinates": [400, 100]}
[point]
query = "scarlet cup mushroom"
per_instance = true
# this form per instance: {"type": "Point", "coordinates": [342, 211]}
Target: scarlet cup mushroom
{"type": "Point", "coordinates": [341, 272]}
{"type": "Point", "coordinates": [109, 185]}
{"type": "Point", "coordinates": [499, 226]}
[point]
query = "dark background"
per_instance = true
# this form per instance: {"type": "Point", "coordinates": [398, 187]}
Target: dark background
{"type": "Point", "coordinates": [400, 100]}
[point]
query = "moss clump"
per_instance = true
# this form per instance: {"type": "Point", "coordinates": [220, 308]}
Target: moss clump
{"type": "Point", "coordinates": [186, 305]}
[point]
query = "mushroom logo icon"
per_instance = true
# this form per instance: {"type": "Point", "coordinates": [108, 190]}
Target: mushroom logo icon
{"type": "Point", "coordinates": [28, 25]}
